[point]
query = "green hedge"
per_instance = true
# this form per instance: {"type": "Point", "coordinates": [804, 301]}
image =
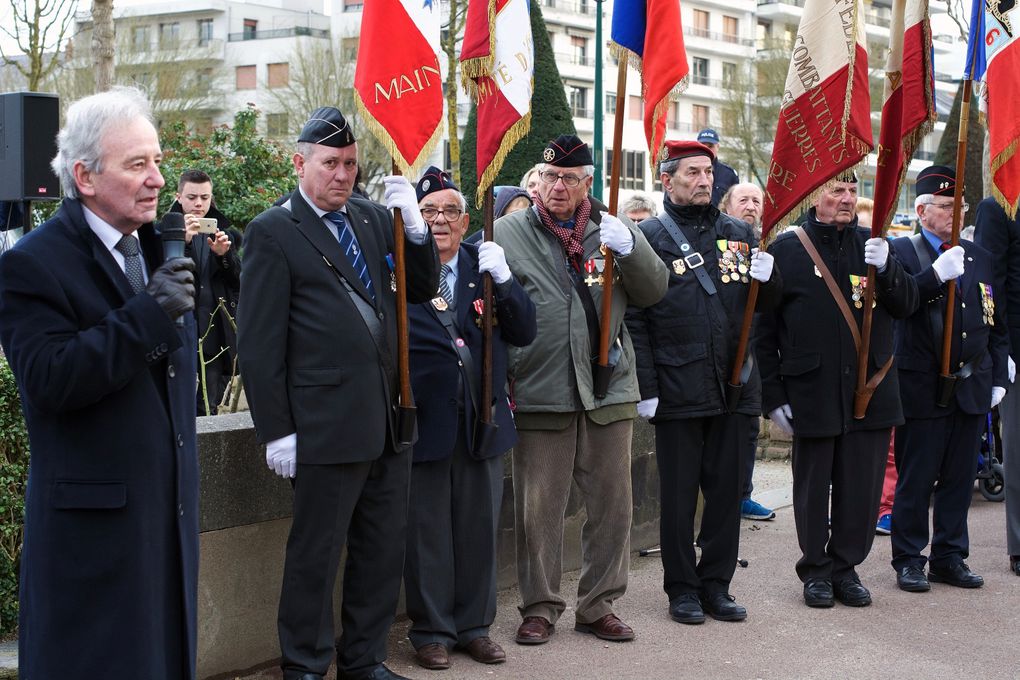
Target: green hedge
{"type": "Point", "coordinates": [13, 477]}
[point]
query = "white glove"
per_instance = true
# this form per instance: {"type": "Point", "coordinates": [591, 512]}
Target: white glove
{"type": "Point", "coordinates": [492, 259]}
{"type": "Point", "coordinates": [949, 265]}
{"type": "Point", "coordinates": [761, 266]}
{"type": "Point", "coordinates": [1010, 368]}
{"type": "Point", "coordinates": [615, 235]}
{"type": "Point", "coordinates": [400, 195]}
{"type": "Point", "coordinates": [997, 394]}
{"type": "Point", "coordinates": [646, 407]}
{"type": "Point", "coordinates": [876, 252]}
{"type": "Point", "coordinates": [281, 455]}
{"type": "Point", "coordinates": [782, 417]}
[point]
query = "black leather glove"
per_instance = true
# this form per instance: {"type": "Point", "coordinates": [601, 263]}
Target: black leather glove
{"type": "Point", "coordinates": [172, 285]}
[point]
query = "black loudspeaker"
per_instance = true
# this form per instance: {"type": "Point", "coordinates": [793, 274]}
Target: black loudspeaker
{"type": "Point", "coordinates": [29, 122]}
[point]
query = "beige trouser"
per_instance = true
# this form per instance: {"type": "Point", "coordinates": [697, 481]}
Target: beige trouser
{"type": "Point", "coordinates": [597, 457]}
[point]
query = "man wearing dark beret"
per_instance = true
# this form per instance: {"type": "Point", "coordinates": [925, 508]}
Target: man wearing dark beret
{"type": "Point", "coordinates": [686, 345]}
{"type": "Point", "coordinates": [567, 431]}
{"type": "Point", "coordinates": [807, 352]}
{"type": "Point", "coordinates": [457, 470]}
{"type": "Point", "coordinates": [317, 343]}
{"type": "Point", "coordinates": [935, 447]}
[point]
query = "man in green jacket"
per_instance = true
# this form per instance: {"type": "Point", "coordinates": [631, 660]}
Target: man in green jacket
{"type": "Point", "coordinates": [555, 250]}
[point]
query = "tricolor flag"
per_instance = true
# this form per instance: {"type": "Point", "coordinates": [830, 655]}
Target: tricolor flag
{"type": "Point", "coordinates": [993, 41]}
{"type": "Point", "coordinates": [397, 79]}
{"type": "Point", "coordinates": [652, 31]}
{"type": "Point", "coordinates": [497, 68]}
{"type": "Point", "coordinates": [825, 117]}
{"type": "Point", "coordinates": [908, 111]}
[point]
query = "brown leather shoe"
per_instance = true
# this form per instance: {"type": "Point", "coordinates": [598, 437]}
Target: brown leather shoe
{"type": "Point", "coordinates": [484, 650]}
{"type": "Point", "coordinates": [609, 627]}
{"type": "Point", "coordinates": [534, 630]}
{"type": "Point", "coordinates": [433, 656]}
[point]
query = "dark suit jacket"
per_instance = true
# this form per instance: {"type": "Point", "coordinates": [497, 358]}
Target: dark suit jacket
{"type": "Point", "coordinates": [919, 351]}
{"type": "Point", "coordinates": [806, 353]}
{"type": "Point", "coordinates": [1000, 236]}
{"type": "Point", "coordinates": [309, 363]}
{"type": "Point", "coordinates": [107, 382]}
{"type": "Point", "coordinates": [436, 372]}
{"type": "Point", "coordinates": [723, 177]}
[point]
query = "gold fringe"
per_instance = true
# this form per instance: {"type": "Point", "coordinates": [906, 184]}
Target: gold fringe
{"type": "Point", "coordinates": [516, 133]}
{"type": "Point", "coordinates": [671, 96]}
{"type": "Point", "coordinates": [809, 200]}
{"type": "Point", "coordinates": [379, 132]}
{"type": "Point", "coordinates": [997, 162]}
{"type": "Point", "coordinates": [477, 67]}
{"type": "Point", "coordinates": [848, 95]}
{"type": "Point", "coordinates": [617, 50]}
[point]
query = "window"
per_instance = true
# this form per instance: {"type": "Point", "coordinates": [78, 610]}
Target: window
{"type": "Point", "coordinates": [699, 116]}
{"type": "Point", "coordinates": [205, 27]}
{"type": "Point", "coordinates": [700, 23]}
{"type": "Point", "coordinates": [611, 103]}
{"type": "Point", "coordinates": [276, 124]}
{"type": "Point", "coordinates": [349, 49]}
{"type": "Point", "coordinates": [672, 114]}
{"type": "Point", "coordinates": [578, 97]}
{"type": "Point", "coordinates": [764, 32]}
{"type": "Point", "coordinates": [251, 27]}
{"type": "Point", "coordinates": [699, 71]}
{"type": "Point", "coordinates": [730, 29]}
{"type": "Point", "coordinates": [279, 75]}
{"type": "Point", "coordinates": [169, 35]}
{"type": "Point", "coordinates": [353, 5]}
{"type": "Point", "coordinates": [632, 170]}
{"type": "Point", "coordinates": [140, 38]}
{"type": "Point", "coordinates": [245, 76]}
{"type": "Point", "coordinates": [203, 79]}
{"type": "Point", "coordinates": [635, 107]}
{"type": "Point", "coordinates": [729, 74]}
{"type": "Point", "coordinates": [579, 50]}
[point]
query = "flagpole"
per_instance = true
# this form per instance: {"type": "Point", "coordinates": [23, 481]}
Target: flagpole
{"type": "Point", "coordinates": [735, 385]}
{"type": "Point", "coordinates": [405, 408]}
{"type": "Point", "coordinates": [486, 404]}
{"type": "Point", "coordinates": [603, 372]}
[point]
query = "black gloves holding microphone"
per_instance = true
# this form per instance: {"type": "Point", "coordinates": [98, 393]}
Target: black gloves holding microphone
{"type": "Point", "coordinates": [172, 285]}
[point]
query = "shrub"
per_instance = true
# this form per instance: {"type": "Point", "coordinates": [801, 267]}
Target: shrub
{"type": "Point", "coordinates": [13, 478]}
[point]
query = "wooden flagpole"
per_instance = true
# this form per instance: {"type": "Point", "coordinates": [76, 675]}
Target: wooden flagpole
{"type": "Point", "coordinates": [406, 408]}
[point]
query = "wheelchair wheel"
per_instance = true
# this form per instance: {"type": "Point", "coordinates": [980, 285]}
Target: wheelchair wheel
{"type": "Point", "coordinates": [994, 487]}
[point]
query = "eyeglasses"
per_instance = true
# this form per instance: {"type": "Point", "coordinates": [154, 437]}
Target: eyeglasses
{"type": "Point", "coordinates": [451, 214]}
{"type": "Point", "coordinates": [948, 206]}
{"type": "Point", "coordinates": [550, 177]}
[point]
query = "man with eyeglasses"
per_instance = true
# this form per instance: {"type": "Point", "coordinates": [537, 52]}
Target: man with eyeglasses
{"type": "Point", "coordinates": [567, 433]}
{"type": "Point", "coordinates": [937, 445]}
{"type": "Point", "coordinates": [457, 470]}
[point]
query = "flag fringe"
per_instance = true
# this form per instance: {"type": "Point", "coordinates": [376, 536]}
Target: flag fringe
{"type": "Point", "coordinates": [476, 67]}
{"type": "Point", "coordinates": [516, 133]}
{"type": "Point", "coordinates": [848, 95]}
{"type": "Point", "coordinates": [633, 59]}
{"type": "Point", "coordinates": [380, 133]}
{"type": "Point", "coordinates": [660, 109]}
{"type": "Point", "coordinates": [1000, 160]}
{"type": "Point", "coordinates": [808, 201]}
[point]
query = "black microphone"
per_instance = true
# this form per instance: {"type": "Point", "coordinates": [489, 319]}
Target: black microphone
{"type": "Point", "coordinates": [172, 230]}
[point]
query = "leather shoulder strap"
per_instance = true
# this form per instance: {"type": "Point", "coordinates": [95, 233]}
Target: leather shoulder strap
{"type": "Point", "coordinates": [837, 294]}
{"type": "Point", "coordinates": [688, 251]}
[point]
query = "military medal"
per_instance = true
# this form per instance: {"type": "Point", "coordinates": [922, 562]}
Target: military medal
{"type": "Point", "coordinates": [679, 266]}
{"type": "Point", "coordinates": [857, 284]}
{"type": "Point", "coordinates": [725, 278]}
{"type": "Point", "coordinates": [440, 303]}
{"type": "Point", "coordinates": [987, 303]}
{"type": "Point", "coordinates": [590, 268]}
{"type": "Point", "coordinates": [393, 282]}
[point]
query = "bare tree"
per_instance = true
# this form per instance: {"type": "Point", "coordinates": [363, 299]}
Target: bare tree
{"type": "Point", "coordinates": [451, 37]}
{"type": "Point", "coordinates": [959, 12]}
{"type": "Point", "coordinates": [102, 43]}
{"type": "Point", "coordinates": [39, 29]}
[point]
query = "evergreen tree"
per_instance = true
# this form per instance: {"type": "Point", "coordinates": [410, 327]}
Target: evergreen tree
{"type": "Point", "coordinates": [973, 188]}
{"type": "Point", "coordinates": [550, 118]}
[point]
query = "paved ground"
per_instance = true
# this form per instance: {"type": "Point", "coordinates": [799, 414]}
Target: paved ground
{"type": "Point", "coordinates": [946, 633]}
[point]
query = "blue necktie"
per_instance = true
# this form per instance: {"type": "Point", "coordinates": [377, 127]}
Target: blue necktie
{"type": "Point", "coordinates": [444, 287]}
{"type": "Point", "coordinates": [349, 244]}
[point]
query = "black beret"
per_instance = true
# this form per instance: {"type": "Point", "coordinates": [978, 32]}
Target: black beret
{"type": "Point", "coordinates": [567, 151]}
{"type": "Point", "coordinates": [937, 180]}
{"type": "Point", "coordinates": [433, 180]}
{"type": "Point", "coordinates": [327, 126]}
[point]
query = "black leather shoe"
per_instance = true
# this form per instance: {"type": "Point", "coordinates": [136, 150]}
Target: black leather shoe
{"type": "Point", "coordinates": [850, 592]}
{"type": "Point", "coordinates": [686, 609]}
{"type": "Point", "coordinates": [912, 579]}
{"type": "Point", "coordinates": [381, 672]}
{"type": "Point", "coordinates": [1014, 564]}
{"type": "Point", "coordinates": [310, 676]}
{"type": "Point", "coordinates": [818, 592]}
{"type": "Point", "coordinates": [722, 607]}
{"type": "Point", "coordinates": [955, 574]}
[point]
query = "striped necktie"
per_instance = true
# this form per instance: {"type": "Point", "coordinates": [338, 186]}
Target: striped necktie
{"type": "Point", "coordinates": [444, 287]}
{"type": "Point", "coordinates": [128, 247]}
{"type": "Point", "coordinates": [349, 244]}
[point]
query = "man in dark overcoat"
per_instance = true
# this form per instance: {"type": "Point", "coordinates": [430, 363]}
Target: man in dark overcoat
{"type": "Point", "coordinates": [936, 448]}
{"type": "Point", "coordinates": [807, 353]}
{"type": "Point", "coordinates": [317, 340]}
{"type": "Point", "coordinates": [109, 568]}
{"type": "Point", "coordinates": [457, 474]}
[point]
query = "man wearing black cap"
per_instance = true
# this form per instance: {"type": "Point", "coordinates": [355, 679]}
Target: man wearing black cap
{"type": "Point", "coordinates": [936, 446]}
{"type": "Point", "coordinates": [457, 473]}
{"type": "Point", "coordinates": [566, 432]}
{"type": "Point", "coordinates": [317, 346]}
{"type": "Point", "coordinates": [723, 176]}
{"type": "Point", "coordinates": [807, 355]}
{"type": "Point", "coordinates": [685, 346]}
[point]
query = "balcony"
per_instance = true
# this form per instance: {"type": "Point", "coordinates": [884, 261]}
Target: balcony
{"type": "Point", "coordinates": [719, 37]}
{"type": "Point", "coordinates": [279, 33]}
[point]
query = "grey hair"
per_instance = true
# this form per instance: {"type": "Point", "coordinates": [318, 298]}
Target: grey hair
{"type": "Point", "coordinates": [725, 200]}
{"type": "Point", "coordinates": [88, 120]}
{"type": "Point", "coordinates": [637, 202]}
{"type": "Point", "coordinates": [669, 167]}
{"type": "Point", "coordinates": [924, 199]}
{"type": "Point", "coordinates": [527, 175]}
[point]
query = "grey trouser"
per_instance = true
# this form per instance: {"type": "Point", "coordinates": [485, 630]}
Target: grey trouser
{"type": "Point", "coordinates": [597, 457]}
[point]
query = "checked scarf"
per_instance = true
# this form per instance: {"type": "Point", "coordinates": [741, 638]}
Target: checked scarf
{"type": "Point", "coordinates": [570, 238]}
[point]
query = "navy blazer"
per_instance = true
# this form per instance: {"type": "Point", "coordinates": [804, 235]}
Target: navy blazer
{"type": "Point", "coordinates": [110, 561]}
{"type": "Point", "coordinates": [999, 235]}
{"type": "Point", "coordinates": [436, 371]}
{"type": "Point", "coordinates": [919, 352]}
